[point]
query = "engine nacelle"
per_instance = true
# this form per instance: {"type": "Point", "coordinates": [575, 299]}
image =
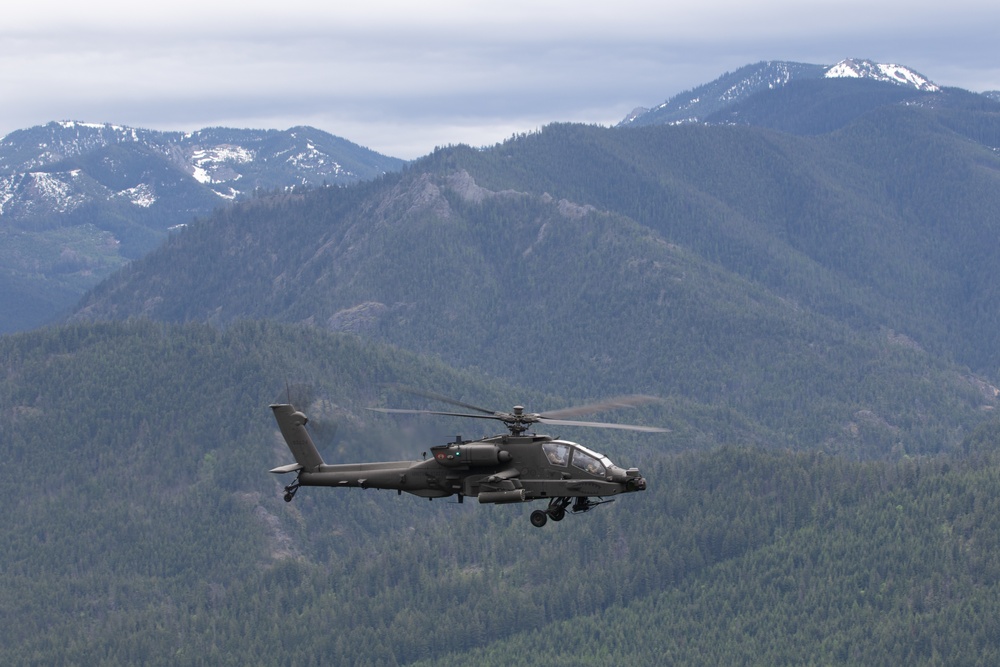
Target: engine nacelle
{"type": "Point", "coordinates": [471, 454]}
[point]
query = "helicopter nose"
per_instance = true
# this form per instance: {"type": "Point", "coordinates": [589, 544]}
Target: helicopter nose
{"type": "Point", "coordinates": [634, 481]}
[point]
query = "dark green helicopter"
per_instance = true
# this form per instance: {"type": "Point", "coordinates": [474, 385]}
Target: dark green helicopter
{"type": "Point", "coordinates": [513, 468]}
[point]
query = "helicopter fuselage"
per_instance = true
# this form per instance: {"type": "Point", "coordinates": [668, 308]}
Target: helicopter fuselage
{"type": "Point", "coordinates": [498, 469]}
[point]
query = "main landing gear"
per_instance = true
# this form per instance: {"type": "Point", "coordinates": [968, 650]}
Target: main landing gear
{"type": "Point", "coordinates": [557, 509]}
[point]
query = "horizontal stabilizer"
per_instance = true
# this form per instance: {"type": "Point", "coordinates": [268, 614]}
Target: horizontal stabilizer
{"type": "Point", "coordinates": [291, 467]}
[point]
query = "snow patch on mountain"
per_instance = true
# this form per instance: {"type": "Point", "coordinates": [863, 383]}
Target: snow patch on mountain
{"type": "Point", "coordinates": [6, 193]}
{"type": "Point", "coordinates": [313, 159]}
{"type": "Point", "coordinates": [60, 191]}
{"type": "Point", "coordinates": [43, 192]}
{"type": "Point", "coordinates": [887, 72]}
{"type": "Point", "coordinates": [50, 186]}
{"type": "Point", "coordinates": [56, 168]}
{"type": "Point", "coordinates": [73, 124]}
{"type": "Point", "coordinates": [214, 164]}
{"type": "Point", "coordinates": [777, 75]}
{"type": "Point", "coordinates": [140, 195]}
{"type": "Point", "coordinates": [730, 89]}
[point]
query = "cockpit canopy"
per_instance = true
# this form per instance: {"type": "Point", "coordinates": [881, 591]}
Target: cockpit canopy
{"type": "Point", "coordinates": [564, 453]}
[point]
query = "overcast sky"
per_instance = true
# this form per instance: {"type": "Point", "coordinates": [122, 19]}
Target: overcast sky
{"type": "Point", "coordinates": [402, 77]}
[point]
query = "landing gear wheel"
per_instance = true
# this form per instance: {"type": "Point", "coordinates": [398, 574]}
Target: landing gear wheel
{"type": "Point", "coordinates": [290, 491]}
{"type": "Point", "coordinates": [538, 518]}
{"type": "Point", "coordinates": [557, 508]}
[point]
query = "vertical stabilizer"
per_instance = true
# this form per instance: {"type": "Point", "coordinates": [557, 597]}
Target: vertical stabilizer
{"type": "Point", "coordinates": [293, 428]}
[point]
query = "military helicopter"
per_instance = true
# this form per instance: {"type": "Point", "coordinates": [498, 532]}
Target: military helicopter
{"type": "Point", "coordinates": [512, 468]}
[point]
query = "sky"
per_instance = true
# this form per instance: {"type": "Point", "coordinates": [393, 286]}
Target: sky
{"type": "Point", "coordinates": [403, 77]}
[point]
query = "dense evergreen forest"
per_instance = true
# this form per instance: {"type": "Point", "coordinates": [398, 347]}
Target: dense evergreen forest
{"type": "Point", "coordinates": [142, 527]}
{"type": "Point", "coordinates": [757, 281]}
{"type": "Point", "coordinates": [816, 313]}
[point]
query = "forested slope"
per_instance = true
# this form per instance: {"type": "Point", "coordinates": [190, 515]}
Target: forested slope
{"type": "Point", "coordinates": [142, 527]}
{"type": "Point", "coordinates": [888, 221]}
{"type": "Point", "coordinates": [765, 278]}
{"type": "Point", "coordinates": [817, 561]}
{"type": "Point", "coordinates": [816, 314]}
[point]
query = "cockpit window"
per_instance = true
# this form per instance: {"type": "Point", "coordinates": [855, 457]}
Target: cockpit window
{"type": "Point", "coordinates": [600, 457]}
{"type": "Point", "coordinates": [557, 453]}
{"type": "Point", "coordinates": [584, 461]}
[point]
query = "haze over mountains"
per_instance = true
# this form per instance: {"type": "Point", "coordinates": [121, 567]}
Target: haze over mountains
{"type": "Point", "coordinates": [803, 271]}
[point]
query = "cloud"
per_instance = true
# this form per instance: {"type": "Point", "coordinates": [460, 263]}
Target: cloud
{"type": "Point", "coordinates": [403, 77]}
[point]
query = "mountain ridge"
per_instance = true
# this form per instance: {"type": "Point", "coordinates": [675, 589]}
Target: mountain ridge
{"type": "Point", "coordinates": [710, 101]}
{"type": "Point", "coordinates": [816, 311]}
{"type": "Point", "coordinates": [103, 194]}
{"type": "Point", "coordinates": [215, 157]}
{"type": "Point", "coordinates": [603, 268]}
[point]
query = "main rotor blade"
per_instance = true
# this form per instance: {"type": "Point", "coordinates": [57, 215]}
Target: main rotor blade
{"type": "Point", "coordinates": [400, 411]}
{"type": "Point", "coordinates": [607, 404]}
{"type": "Point", "coordinates": [623, 427]}
{"type": "Point", "coordinates": [443, 399]}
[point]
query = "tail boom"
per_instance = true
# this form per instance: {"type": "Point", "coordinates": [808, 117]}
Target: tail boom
{"type": "Point", "coordinates": [312, 471]}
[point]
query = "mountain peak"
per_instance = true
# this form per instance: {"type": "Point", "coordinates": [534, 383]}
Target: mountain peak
{"type": "Point", "coordinates": [711, 102]}
{"type": "Point", "coordinates": [117, 191]}
{"type": "Point", "coordinates": [887, 72]}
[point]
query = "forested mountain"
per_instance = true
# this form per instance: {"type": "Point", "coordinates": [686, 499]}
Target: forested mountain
{"type": "Point", "coordinates": [814, 307]}
{"type": "Point", "coordinates": [805, 285]}
{"type": "Point", "coordinates": [794, 97]}
{"type": "Point", "coordinates": [141, 527]}
{"type": "Point", "coordinates": [78, 200]}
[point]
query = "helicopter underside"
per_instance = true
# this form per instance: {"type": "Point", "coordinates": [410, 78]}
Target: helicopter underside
{"type": "Point", "coordinates": [574, 496]}
{"type": "Point", "coordinates": [430, 482]}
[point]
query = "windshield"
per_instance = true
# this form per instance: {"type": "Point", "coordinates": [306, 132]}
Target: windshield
{"type": "Point", "coordinates": [600, 457]}
{"type": "Point", "coordinates": [557, 453]}
{"type": "Point", "coordinates": [563, 453]}
{"type": "Point", "coordinates": [585, 461]}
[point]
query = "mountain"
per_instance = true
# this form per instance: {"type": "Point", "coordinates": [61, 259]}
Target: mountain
{"type": "Point", "coordinates": [78, 200]}
{"type": "Point", "coordinates": [829, 95]}
{"type": "Point", "coordinates": [816, 312]}
{"type": "Point", "coordinates": [712, 265]}
{"type": "Point", "coordinates": [63, 157]}
{"type": "Point", "coordinates": [707, 99]}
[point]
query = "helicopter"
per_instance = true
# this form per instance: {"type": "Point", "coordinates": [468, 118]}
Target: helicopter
{"type": "Point", "coordinates": [516, 467]}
